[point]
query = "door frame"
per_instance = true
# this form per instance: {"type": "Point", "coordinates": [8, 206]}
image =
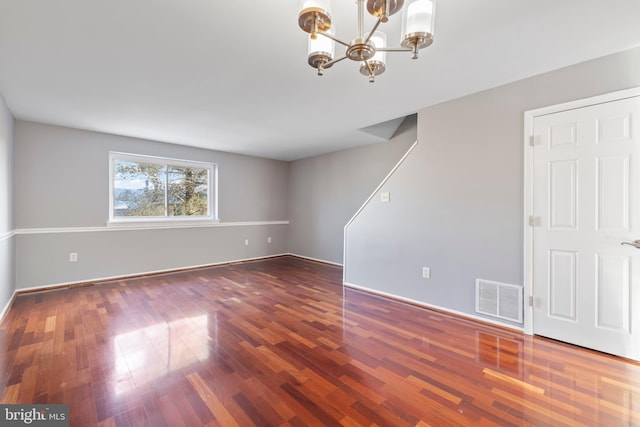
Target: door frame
{"type": "Point", "coordinates": [529, 118]}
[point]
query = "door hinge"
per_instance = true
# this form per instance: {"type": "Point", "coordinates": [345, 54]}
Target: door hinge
{"type": "Point", "coordinates": [534, 221]}
{"type": "Point", "coordinates": [532, 140]}
{"type": "Point", "coordinates": [531, 301]}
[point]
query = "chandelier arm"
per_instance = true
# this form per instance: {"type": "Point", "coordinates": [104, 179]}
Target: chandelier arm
{"type": "Point", "coordinates": [369, 68]}
{"type": "Point", "coordinates": [335, 39]}
{"type": "Point", "coordinates": [394, 49]}
{"type": "Point", "coordinates": [326, 64]}
{"type": "Point", "coordinates": [373, 30]}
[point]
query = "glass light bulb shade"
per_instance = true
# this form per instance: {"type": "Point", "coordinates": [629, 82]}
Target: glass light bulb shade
{"type": "Point", "coordinates": [379, 8]}
{"type": "Point", "coordinates": [379, 40]}
{"type": "Point", "coordinates": [325, 5]}
{"type": "Point", "coordinates": [314, 16]}
{"type": "Point", "coordinates": [418, 18]}
{"type": "Point", "coordinates": [322, 45]}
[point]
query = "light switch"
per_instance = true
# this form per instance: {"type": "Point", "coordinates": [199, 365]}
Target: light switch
{"type": "Point", "coordinates": [385, 197]}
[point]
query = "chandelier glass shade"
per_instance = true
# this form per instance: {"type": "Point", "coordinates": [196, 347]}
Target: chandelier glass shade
{"type": "Point", "coordinates": [322, 51]}
{"type": "Point", "coordinates": [367, 48]}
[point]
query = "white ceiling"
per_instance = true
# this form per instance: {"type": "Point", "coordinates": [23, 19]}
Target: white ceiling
{"type": "Point", "coordinates": [232, 75]}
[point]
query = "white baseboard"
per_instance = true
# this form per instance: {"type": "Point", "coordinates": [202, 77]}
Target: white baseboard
{"type": "Point", "coordinates": [5, 310]}
{"type": "Point", "coordinates": [435, 307]}
{"type": "Point", "coordinates": [316, 259]}
{"type": "Point", "coordinates": [144, 273]}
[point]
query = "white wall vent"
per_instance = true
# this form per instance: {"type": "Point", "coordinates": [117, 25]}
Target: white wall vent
{"type": "Point", "coordinates": [501, 300]}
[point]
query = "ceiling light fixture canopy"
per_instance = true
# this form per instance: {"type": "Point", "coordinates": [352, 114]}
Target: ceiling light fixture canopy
{"type": "Point", "coordinates": [370, 49]}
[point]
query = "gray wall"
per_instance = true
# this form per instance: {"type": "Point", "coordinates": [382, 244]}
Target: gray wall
{"type": "Point", "coordinates": [61, 182]}
{"type": "Point", "coordinates": [325, 191]}
{"type": "Point", "coordinates": [457, 201]}
{"type": "Point", "coordinates": [7, 269]}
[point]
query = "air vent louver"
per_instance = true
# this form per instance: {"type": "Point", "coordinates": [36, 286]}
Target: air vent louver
{"type": "Point", "coordinates": [501, 300]}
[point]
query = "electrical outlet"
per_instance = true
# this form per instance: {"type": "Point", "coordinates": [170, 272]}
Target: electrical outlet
{"type": "Point", "coordinates": [268, 239]}
{"type": "Point", "coordinates": [385, 197]}
{"type": "Point", "coordinates": [246, 242]}
{"type": "Point", "coordinates": [73, 257]}
{"type": "Point", "coordinates": [426, 272]}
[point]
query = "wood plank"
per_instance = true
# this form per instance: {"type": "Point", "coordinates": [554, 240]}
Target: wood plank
{"type": "Point", "coordinates": [280, 342]}
{"type": "Point", "coordinates": [215, 405]}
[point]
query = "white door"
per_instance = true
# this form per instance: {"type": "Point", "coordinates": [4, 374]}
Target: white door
{"type": "Point", "coordinates": [586, 203]}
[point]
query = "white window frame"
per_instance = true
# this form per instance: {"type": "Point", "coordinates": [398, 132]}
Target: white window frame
{"type": "Point", "coordinates": [212, 218]}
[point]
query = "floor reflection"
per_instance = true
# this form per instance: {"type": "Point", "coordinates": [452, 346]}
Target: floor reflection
{"type": "Point", "coordinates": [500, 352]}
{"type": "Point", "coordinates": [154, 351]}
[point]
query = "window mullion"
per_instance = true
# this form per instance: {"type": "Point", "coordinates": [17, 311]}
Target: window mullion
{"type": "Point", "coordinates": [166, 191]}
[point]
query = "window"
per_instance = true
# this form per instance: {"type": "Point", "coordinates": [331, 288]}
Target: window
{"type": "Point", "coordinates": [144, 188]}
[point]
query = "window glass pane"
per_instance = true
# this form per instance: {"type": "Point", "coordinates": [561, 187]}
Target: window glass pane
{"type": "Point", "coordinates": [138, 189]}
{"type": "Point", "coordinates": [154, 188]}
{"type": "Point", "coordinates": [188, 191]}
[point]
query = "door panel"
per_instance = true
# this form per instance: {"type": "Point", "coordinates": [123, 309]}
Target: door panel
{"type": "Point", "coordinates": [613, 193]}
{"type": "Point", "coordinates": [563, 194]}
{"type": "Point", "coordinates": [613, 286]}
{"type": "Point", "coordinates": [586, 191]}
{"type": "Point", "coordinates": [562, 285]}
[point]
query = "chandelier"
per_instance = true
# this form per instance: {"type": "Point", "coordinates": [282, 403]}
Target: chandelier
{"type": "Point", "coordinates": [367, 48]}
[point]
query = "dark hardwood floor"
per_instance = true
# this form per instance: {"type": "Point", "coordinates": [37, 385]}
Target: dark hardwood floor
{"type": "Point", "coordinates": [279, 342]}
